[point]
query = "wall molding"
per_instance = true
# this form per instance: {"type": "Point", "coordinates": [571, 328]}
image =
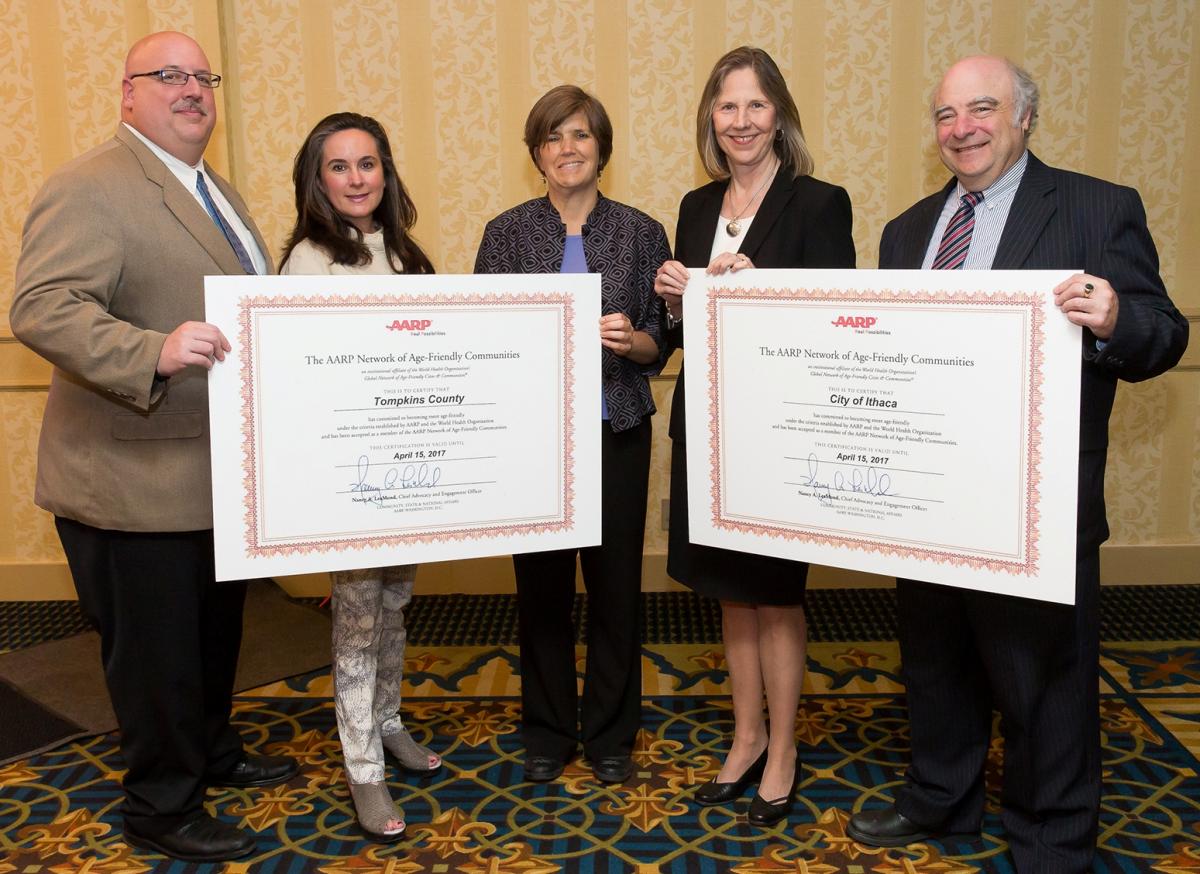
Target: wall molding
{"type": "Point", "coordinates": [1191, 356]}
{"type": "Point", "coordinates": [21, 369]}
{"type": "Point", "coordinates": [1120, 564]}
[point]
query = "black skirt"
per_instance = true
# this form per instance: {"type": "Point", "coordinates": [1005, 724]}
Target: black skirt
{"type": "Point", "coordinates": [724, 573]}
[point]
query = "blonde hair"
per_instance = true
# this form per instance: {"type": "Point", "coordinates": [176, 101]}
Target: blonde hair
{"type": "Point", "coordinates": [789, 143]}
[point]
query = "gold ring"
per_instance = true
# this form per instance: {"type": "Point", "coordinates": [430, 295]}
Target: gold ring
{"type": "Point", "coordinates": [1088, 288]}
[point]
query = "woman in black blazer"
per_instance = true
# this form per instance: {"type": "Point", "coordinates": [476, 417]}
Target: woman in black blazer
{"type": "Point", "coordinates": [763, 209]}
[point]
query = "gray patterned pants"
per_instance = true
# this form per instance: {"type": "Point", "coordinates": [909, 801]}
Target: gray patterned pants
{"type": "Point", "coordinates": [368, 662]}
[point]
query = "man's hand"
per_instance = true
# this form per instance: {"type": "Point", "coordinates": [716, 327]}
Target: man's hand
{"type": "Point", "coordinates": [192, 343]}
{"type": "Point", "coordinates": [1090, 302]}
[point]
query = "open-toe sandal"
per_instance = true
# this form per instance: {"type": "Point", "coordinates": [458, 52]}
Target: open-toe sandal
{"type": "Point", "coordinates": [412, 757]}
{"type": "Point", "coordinates": [375, 810]}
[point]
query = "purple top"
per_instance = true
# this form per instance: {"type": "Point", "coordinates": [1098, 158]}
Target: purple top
{"type": "Point", "coordinates": [573, 259]}
{"type": "Point", "coordinates": [575, 262]}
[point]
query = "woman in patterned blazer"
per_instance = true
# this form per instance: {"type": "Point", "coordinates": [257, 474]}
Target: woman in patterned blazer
{"type": "Point", "coordinates": [576, 229]}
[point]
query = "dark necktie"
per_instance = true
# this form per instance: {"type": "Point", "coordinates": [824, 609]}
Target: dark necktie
{"type": "Point", "coordinates": [238, 249]}
{"type": "Point", "coordinates": [952, 251]}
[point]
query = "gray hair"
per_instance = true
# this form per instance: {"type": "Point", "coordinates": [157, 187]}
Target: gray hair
{"type": "Point", "coordinates": [1025, 96]}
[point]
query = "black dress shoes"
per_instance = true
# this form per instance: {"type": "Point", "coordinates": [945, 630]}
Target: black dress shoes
{"type": "Point", "coordinates": [886, 828]}
{"type": "Point", "coordinates": [199, 839]}
{"type": "Point", "coordinates": [613, 769]}
{"type": "Point", "coordinates": [254, 770]}
{"type": "Point", "coordinates": [712, 792]}
{"type": "Point", "coordinates": [543, 769]}
{"type": "Point", "coordinates": [765, 813]}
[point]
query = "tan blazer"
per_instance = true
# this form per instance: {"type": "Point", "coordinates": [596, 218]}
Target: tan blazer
{"type": "Point", "coordinates": [113, 259]}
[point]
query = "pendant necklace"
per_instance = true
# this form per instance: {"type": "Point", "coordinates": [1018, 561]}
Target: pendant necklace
{"type": "Point", "coordinates": [733, 228]}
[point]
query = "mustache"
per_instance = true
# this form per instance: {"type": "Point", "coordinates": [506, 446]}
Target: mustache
{"type": "Point", "coordinates": [188, 104]}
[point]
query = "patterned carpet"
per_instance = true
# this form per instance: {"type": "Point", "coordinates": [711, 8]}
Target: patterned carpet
{"type": "Point", "coordinates": [58, 810]}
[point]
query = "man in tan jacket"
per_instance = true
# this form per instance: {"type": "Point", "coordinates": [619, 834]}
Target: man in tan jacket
{"type": "Point", "coordinates": [109, 289]}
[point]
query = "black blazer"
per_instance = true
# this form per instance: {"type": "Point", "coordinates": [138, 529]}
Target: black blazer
{"type": "Point", "coordinates": [1064, 220]}
{"type": "Point", "coordinates": [802, 222]}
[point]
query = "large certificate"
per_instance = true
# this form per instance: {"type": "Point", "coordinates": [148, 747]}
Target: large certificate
{"type": "Point", "coordinates": [370, 421]}
{"type": "Point", "coordinates": [921, 424]}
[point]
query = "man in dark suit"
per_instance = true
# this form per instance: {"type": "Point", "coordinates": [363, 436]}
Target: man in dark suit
{"type": "Point", "coordinates": [964, 652]}
{"type": "Point", "coordinates": [109, 289]}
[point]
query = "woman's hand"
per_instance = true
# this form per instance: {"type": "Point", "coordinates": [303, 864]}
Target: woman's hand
{"type": "Point", "coordinates": [670, 281]}
{"type": "Point", "coordinates": [618, 334]}
{"type": "Point", "coordinates": [728, 262]}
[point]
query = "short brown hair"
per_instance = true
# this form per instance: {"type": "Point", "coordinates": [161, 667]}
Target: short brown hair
{"type": "Point", "coordinates": [556, 106]}
{"type": "Point", "coordinates": [789, 145]}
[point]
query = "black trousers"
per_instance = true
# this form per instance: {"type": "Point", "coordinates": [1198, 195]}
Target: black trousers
{"type": "Point", "coordinates": [170, 637]}
{"type": "Point", "coordinates": [612, 572]}
{"type": "Point", "coordinates": [962, 654]}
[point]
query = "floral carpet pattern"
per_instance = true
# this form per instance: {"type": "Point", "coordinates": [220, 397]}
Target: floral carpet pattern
{"type": "Point", "coordinates": [59, 810]}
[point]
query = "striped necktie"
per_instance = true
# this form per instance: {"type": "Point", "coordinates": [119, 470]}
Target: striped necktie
{"type": "Point", "coordinates": [238, 249]}
{"type": "Point", "coordinates": [956, 241]}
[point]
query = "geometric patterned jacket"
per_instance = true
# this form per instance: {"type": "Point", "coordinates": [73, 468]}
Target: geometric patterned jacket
{"type": "Point", "coordinates": [622, 244]}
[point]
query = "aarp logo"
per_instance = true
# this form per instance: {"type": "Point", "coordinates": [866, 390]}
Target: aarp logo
{"type": "Point", "coordinates": [854, 322]}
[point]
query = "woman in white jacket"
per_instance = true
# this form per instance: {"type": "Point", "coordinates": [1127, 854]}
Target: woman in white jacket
{"type": "Point", "coordinates": [352, 217]}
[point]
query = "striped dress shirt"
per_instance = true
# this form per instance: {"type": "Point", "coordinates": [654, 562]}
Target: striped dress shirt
{"type": "Point", "coordinates": [990, 217]}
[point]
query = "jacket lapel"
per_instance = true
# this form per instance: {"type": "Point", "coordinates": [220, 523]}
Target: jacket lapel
{"type": "Point", "coordinates": [1032, 208]}
{"type": "Point", "coordinates": [239, 206]}
{"type": "Point", "coordinates": [913, 247]}
{"type": "Point", "coordinates": [705, 227]}
{"type": "Point", "coordinates": [183, 205]}
{"type": "Point", "coordinates": [769, 210]}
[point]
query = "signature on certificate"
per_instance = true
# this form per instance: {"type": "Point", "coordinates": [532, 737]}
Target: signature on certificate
{"type": "Point", "coordinates": [373, 482]}
{"type": "Point", "coordinates": [863, 480]}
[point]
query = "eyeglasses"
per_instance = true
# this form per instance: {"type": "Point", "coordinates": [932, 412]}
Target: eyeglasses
{"type": "Point", "coordinates": [179, 77]}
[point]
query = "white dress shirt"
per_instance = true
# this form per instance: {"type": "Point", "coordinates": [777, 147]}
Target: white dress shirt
{"type": "Point", "coordinates": [186, 174]}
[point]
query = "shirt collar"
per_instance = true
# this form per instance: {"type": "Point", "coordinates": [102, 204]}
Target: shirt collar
{"type": "Point", "coordinates": [1005, 185]}
{"type": "Point", "coordinates": [549, 213]}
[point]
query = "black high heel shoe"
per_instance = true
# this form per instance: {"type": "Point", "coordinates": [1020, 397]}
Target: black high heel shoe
{"type": "Point", "coordinates": [766, 813]}
{"type": "Point", "coordinates": [712, 792]}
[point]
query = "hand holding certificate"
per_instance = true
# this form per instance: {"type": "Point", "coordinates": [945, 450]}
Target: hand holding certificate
{"type": "Point", "coordinates": [368, 421]}
{"type": "Point", "coordinates": [911, 423]}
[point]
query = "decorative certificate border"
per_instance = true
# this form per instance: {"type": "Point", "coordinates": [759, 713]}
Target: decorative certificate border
{"type": "Point", "coordinates": [250, 307]}
{"type": "Point", "coordinates": [1032, 304]}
